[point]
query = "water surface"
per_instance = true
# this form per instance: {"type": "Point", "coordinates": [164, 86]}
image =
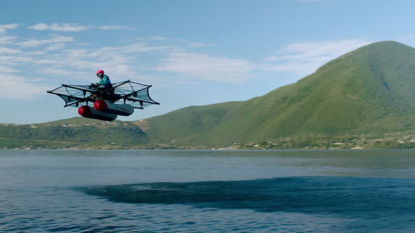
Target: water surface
{"type": "Point", "coordinates": [201, 191]}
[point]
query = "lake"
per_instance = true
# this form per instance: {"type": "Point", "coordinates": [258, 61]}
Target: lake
{"type": "Point", "coordinates": [207, 191]}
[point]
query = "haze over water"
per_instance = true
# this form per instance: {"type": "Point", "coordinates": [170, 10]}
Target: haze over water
{"type": "Point", "coordinates": [207, 191]}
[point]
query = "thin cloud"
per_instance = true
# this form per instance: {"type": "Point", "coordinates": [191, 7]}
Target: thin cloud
{"type": "Point", "coordinates": [56, 46]}
{"type": "Point", "coordinates": [5, 27]}
{"type": "Point", "coordinates": [156, 58]}
{"type": "Point", "coordinates": [51, 58]}
{"type": "Point", "coordinates": [121, 62]}
{"type": "Point", "coordinates": [64, 27]}
{"type": "Point", "coordinates": [7, 39]}
{"type": "Point", "coordinates": [306, 57]}
{"type": "Point", "coordinates": [200, 45]}
{"type": "Point", "coordinates": [211, 68]}
{"type": "Point", "coordinates": [7, 69]}
{"type": "Point", "coordinates": [113, 27]}
{"type": "Point", "coordinates": [72, 27]}
{"type": "Point", "coordinates": [9, 50]}
{"type": "Point", "coordinates": [16, 87]}
{"type": "Point", "coordinates": [53, 41]}
{"type": "Point", "coordinates": [155, 38]}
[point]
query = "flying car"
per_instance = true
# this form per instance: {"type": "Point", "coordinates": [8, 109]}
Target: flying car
{"type": "Point", "coordinates": [105, 103]}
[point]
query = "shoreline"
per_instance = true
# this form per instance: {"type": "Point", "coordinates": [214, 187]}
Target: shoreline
{"type": "Point", "coordinates": [216, 150]}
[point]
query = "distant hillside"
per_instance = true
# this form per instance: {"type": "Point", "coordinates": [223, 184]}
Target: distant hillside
{"type": "Point", "coordinates": [75, 132]}
{"type": "Point", "coordinates": [367, 91]}
{"type": "Point", "coordinates": [363, 99]}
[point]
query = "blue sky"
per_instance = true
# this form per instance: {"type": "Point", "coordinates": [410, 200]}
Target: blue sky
{"type": "Point", "coordinates": [193, 52]}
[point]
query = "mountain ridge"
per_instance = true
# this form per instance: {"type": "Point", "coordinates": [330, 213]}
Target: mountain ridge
{"type": "Point", "coordinates": [360, 81]}
{"type": "Point", "coordinates": [367, 91]}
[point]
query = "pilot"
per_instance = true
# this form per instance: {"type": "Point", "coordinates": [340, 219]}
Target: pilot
{"type": "Point", "coordinates": [105, 82]}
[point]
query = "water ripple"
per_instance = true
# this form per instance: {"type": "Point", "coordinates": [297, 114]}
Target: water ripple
{"type": "Point", "coordinates": [376, 200]}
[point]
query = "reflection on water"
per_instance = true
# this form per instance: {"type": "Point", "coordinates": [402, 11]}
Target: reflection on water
{"type": "Point", "coordinates": [207, 191]}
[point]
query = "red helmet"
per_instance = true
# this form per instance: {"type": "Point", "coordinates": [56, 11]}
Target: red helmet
{"type": "Point", "coordinates": [100, 72]}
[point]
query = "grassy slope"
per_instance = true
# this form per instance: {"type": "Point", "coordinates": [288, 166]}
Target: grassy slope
{"type": "Point", "coordinates": [73, 121]}
{"type": "Point", "coordinates": [74, 132]}
{"type": "Point", "coordinates": [188, 123]}
{"type": "Point", "coordinates": [366, 91]}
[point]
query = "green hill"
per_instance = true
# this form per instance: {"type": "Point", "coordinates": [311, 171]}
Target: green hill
{"type": "Point", "coordinates": [75, 132]}
{"type": "Point", "coordinates": [367, 91]}
{"type": "Point", "coordinates": [363, 99]}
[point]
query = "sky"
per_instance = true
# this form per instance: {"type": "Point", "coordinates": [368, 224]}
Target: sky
{"type": "Point", "coordinates": [192, 52]}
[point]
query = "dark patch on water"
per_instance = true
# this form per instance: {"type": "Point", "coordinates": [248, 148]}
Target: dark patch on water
{"type": "Point", "coordinates": [355, 197]}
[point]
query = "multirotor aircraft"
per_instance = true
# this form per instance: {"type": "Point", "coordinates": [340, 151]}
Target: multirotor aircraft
{"type": "Point", "coordinates": [106, 103]}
